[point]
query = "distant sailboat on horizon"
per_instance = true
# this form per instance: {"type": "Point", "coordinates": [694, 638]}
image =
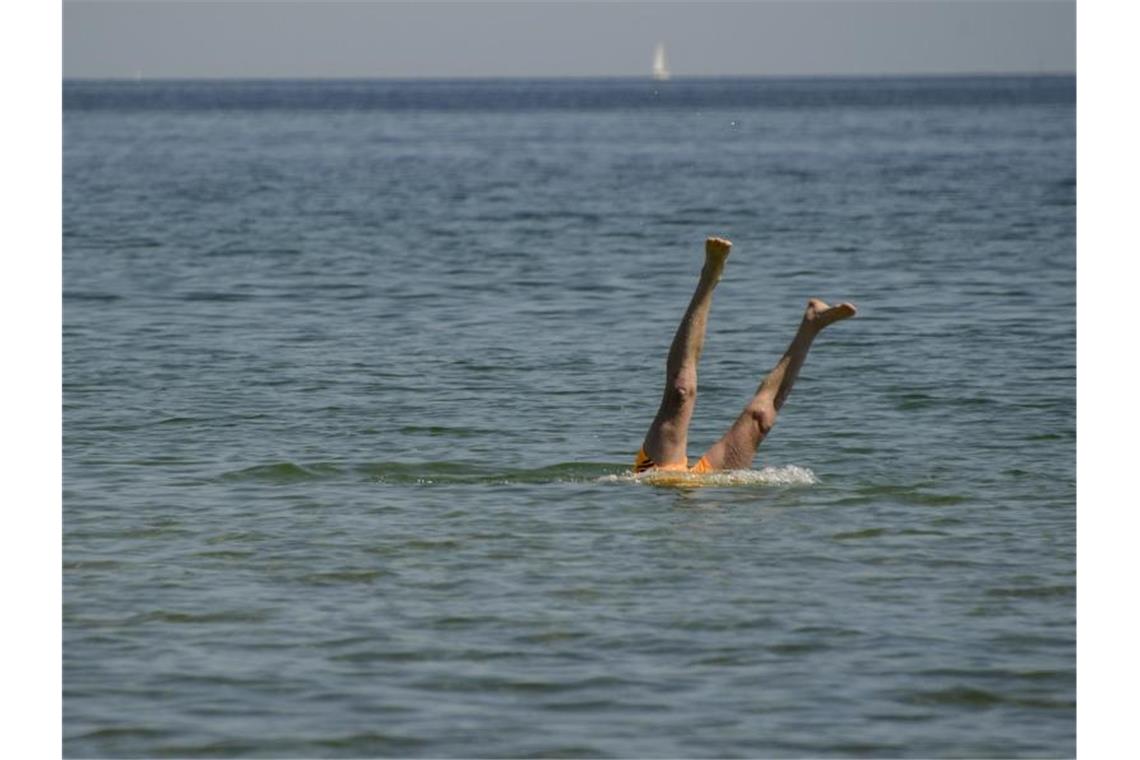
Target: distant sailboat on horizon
{"type": "Point", "coordinates": [660, 68]}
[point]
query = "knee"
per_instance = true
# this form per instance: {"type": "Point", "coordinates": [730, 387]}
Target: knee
{"type": "Point", "coordinates": [764, 415]}
{"type": "Point", "coordinates": [682, 389]}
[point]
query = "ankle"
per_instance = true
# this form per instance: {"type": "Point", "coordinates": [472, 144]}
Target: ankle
{"type": "Point", "coordinates": [712, 271]}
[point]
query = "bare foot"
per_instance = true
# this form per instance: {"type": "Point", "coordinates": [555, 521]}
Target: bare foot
{"type": "Point", "coordinates": [716, 252]}
{"type": "Point", "coordinates": [819, 315]}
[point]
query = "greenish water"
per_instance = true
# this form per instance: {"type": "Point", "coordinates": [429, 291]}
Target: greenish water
{"type": "Point", "coordinates": [354, 375]}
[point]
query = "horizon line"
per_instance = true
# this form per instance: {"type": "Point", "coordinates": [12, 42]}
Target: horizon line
{"type": "Point", "coordinates": [556, 77]}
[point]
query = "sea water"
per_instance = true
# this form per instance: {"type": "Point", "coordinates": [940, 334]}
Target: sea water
{"type": "Point", "coordinates": [354, 373]}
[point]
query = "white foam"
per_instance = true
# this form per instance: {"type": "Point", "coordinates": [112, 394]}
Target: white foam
{"type": "Point", "coordinates": [787, 475]}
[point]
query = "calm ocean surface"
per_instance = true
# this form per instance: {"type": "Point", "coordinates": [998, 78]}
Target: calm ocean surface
{"type": "Point", "coordinates": [354, 371]}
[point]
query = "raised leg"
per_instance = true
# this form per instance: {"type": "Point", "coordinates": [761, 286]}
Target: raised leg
{"type": "Point", "coordinates": [737, 449]}
{"type": "Point", "coordinates": [666, 441]}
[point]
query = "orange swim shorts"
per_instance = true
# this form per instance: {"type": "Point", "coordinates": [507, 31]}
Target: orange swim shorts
{"type": "Point", "coordinates": [642, 463]}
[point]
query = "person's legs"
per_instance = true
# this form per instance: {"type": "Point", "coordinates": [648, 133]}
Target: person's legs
{"type": "Point", "coordinates": [666, 441]}
{"type": "Point", "coordinates": [737, 448]}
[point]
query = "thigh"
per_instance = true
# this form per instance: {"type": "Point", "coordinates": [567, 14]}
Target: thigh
{"type": "Point", "coordinates": [737, 447]}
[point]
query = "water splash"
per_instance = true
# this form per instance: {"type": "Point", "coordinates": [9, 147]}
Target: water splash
{"type": "Point", "coordinates": [463, 473]}
{"type": "Point", "coordinates": [787, 475]}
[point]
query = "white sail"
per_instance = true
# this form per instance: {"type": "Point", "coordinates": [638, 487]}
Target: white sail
{"type": "Point", "coordinates": [660, 68]}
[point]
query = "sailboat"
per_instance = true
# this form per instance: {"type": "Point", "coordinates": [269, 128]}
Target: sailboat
{"type": "Point", "coordinates": [660, 69]}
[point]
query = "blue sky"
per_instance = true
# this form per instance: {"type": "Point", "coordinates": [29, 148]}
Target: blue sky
{"type": "Point", "coordinates": [265, 38]}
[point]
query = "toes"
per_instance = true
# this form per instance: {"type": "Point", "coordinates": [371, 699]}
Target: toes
{"type": "Point", "coordinates": [717, 245]}
{"type": "Point", "coordinates": [819, 312]}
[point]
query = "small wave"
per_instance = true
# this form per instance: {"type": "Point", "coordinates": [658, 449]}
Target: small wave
{"type": "Point", "coordinates": [365, 576]}
{"type": "Point", "coordinates": [282, 472]}
{"type": "Point", "coordinates": [1031, 592]}
{"type": "Point", "coordinates": [904, 494]}
{"type": "Point", "coordinates": [201, 618]}
{"type": "Point", "coordinates": [464, 473]}
{"type": "Point", "coordinates": [868, 533]}
{"type": "Point", "coordinates": [369, 743]}
{"type": "Point", "coordinates": [442, 431]}
{"type": "Point", "coordinates": [972, 697]}
{"type": "Point", "coordinates": [178, 421]}
{"type": "Point", "coordinates": [787, 475]}
{"type": "Point", "coordinates": [460, 473]}
{"type": "Point", "coordinates": [215, 296]}
{"type": "Point", "coordinates": [231, 554]}
{"type": "Point", "coordinates": [799, 647]}
{"type": "Point", "coordinates": [121, 732]}
{"type": "Point", "coordinates": [966, 696]}
{"type": "Point", "coordinates": [77, 295]}
{"type": "Point", "coordinates": [225, 252]}
{"type": "Point", "coordinates": [424, 473]}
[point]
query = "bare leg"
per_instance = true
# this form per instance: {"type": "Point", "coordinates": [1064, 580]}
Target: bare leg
{"type": "Point", "coordinates": [736, 450]}
{"type": "Point", "coordinates": [666, 441]}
